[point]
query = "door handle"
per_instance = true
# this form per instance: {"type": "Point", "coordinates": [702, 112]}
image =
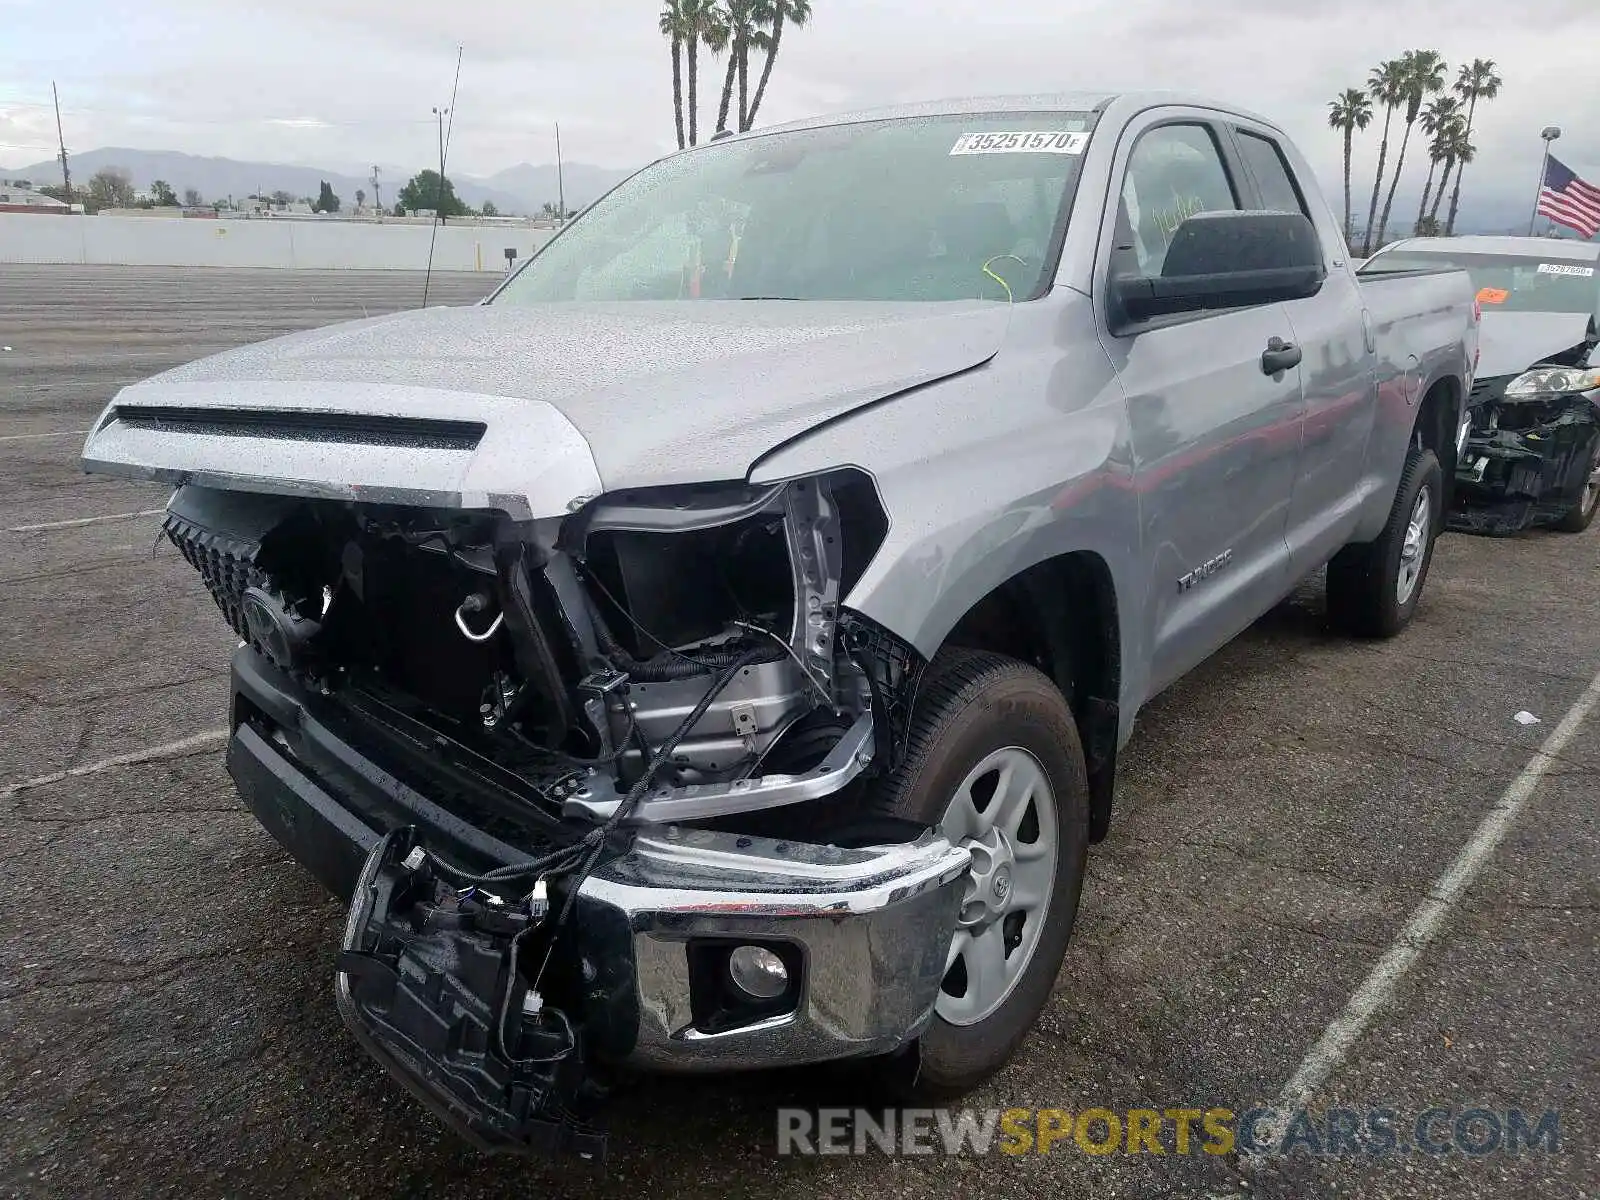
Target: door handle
{"type": "Point", "coordinates": [1279, 356]}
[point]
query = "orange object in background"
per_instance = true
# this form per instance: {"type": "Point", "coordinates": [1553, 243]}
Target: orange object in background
{"type": "Point", "coordinates": [1490, 295]}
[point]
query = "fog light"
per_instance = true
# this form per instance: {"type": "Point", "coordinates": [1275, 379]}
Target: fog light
{"type": "Point", "coordinates": [758, 972]}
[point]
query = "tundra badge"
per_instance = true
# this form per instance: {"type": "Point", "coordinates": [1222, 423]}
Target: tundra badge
{"type": "Point", "coordinates": [1205, 570]}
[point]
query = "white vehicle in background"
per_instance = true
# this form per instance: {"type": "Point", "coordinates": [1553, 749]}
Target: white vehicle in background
{"type": "Point", "coordinates": [1532, 456]}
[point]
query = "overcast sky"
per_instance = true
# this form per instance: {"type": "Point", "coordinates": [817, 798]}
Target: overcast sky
{"type": "Point", "coordinates": [341, 83]}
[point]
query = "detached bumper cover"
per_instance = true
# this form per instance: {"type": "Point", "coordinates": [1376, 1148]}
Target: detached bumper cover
{"type": "Point", "coordinates": [866, 929]}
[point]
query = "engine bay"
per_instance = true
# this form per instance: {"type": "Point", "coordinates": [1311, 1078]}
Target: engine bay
{"type": "Point", "coordinates": [571, 651]}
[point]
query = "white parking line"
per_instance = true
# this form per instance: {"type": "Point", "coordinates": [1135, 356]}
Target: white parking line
{"type": "Point", "coordinates": [78, 522]}
{"type": "Point", "coordinates": [1431, 915]}
{"type": "Point", "coordinates": [177, 749]}
{"type": "Point", "coordinates": [34, 437]}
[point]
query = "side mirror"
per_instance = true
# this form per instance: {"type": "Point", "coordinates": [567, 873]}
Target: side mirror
{"type": "Point", "coordinates": [1226, 260]}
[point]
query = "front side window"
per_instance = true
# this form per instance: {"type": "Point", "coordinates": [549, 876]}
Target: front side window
{"type": "Point", "coordinates": [1174, 172]}
{"type": "Point", "coordinates": [927, 208]}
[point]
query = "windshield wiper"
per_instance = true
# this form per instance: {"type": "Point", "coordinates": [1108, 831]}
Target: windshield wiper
{"type": "Point", "coordinates": [767, 297]}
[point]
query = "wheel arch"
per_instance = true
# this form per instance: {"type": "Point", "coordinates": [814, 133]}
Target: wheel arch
{"type": "Point", "coordinates": [1062, 615]}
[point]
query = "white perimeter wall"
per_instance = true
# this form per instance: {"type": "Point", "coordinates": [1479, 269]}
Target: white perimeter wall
{"type": "Point", "coordinates": [306, 245]}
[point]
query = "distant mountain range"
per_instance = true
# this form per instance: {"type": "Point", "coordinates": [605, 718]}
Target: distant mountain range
{"type": "Point", "coordinates": [1488, 206]}
{"type": "Point", "coordinates": [524, 188]}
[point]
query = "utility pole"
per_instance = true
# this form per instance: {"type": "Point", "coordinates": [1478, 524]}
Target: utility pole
{"type": "Point", "coordinates": [66, 176]}
{"type": "Point", "coordinates": [1549, 133]}
{"type": "Point", "coordinates": [377, 198]}
{"type": "Point", "coordinates": [561, 187]}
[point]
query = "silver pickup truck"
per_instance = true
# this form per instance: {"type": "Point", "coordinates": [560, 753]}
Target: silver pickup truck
{"type": "Point", "coordinates": [713, 650]}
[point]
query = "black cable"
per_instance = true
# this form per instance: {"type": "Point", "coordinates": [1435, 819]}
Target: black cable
{"type": "Point", "coordinates": [635, 794]}
{"type": "Point", "coordinates": [505, 1010]}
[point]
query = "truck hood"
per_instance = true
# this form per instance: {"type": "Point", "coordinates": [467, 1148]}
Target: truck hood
{"type": "Point", "coordinates": [649, 394]}
{"type": "Point", "coordinates": [1511, 342]}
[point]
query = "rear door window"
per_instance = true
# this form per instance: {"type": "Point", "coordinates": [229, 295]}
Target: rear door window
{"type": "Point", "coordinates": [1271, 172]}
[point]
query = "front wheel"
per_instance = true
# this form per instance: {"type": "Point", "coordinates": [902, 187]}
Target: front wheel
{"type": "Point", "coordinates": [1374, 587]}
{"type": "Point", "coordinates": [994, 760]}
{"type": "Point", "coordinates": [1582, 513]}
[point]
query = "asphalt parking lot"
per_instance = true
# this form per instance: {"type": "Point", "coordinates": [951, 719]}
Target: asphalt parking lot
{"type": "Point", "coordinates": [166, 1017]}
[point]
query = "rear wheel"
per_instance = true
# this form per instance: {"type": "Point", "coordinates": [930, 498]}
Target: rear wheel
{"type": "Point", "coordinates": [1582, 514]}
{"type": "Point", "coordinates": [994, 760]}
{"type": "Point", "coordinates": [1374, 587]}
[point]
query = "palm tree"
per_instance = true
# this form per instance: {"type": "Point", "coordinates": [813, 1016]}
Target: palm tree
{"type": "Point", "coordinates": [1387, 86]}
{"type": "Point", "coordinates": [1474, 82]}
{"type": "Point", "coordinates": [1463, 153]}
{"type": "Point", "coordinates": [740, 22]}
{"type": "Point", "coordinates": [675, 26]}
{"type": "Point", "coordinates": [1425, 76]}
{"type": "Point", "coordinates": [1437, 120]}
{"type": "Point", "coordinates": [1453, 143]}
{"type": "Point", "coordinates": [704, 22]}
{"type": "Point", "coordinates": [773, 15]}
{"type": "Point", "coordinates": [1349, 111]}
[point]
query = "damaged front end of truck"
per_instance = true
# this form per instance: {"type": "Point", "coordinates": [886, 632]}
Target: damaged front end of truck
{"type": "Point", "coordinates": [1532, 454]}
{"type": "Point", "coordinates": [590, 775]}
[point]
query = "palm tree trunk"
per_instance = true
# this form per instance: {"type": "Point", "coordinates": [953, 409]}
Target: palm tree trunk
{"type": "Point", "coordinates": [1455, 196]}
{"type": "Point", "coordinates": [744, 82]}
{"type": "Point", "coordinates": [677, 87]}
{"type": "Point", "coordinates": [1438, 197]}
{"type": "Point", "coordinates": [1349, 133]}
{"type": "Point", "coordinates": [694, 90]}
{"type": "Point", "coordinates": [727, 90]}
{"type": "Point", "coordinates": [1388, 201]}
{"type": "Point", "coordinates": [1427, 188]}
{"type": "Point", "coordinates": [766, 72]}
{"type": "Point", "coordinates": [1377, 183]}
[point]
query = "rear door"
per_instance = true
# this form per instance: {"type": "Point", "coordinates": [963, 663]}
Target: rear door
{"type": "Point", "coordinates": [1336, 337]}
{"type": "Point", "coordinates": [1215, 437]}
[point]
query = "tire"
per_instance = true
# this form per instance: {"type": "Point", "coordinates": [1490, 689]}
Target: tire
{"type": "Point", "coordinates": [1581, 514]}
{"type": "Point", "coordinates": [1374, 587]}
{"type": "Point", "coordinates": [973, 709]}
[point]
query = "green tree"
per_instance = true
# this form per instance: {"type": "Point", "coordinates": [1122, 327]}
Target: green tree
{"type": "Point", "coordinates": [1425, 75]}
{"type": "Point", "coordinates": [1387, 86]}
{"type": "Point", "coordinates": [281, 199]}
{"type": "Point", "coordinates": [326, 201]}
{"type": "Point", "coordinates": [1476, 81]}
{"type": "Point", "coordinates": [774, 16]}
{"type": "Point", "coordinates": [1350, 110]}
{"type": "Point", "coordinates": [1442, 112]}
{"type": "Point", "coordinates": [191, 198]}
{"type": "Point", "coordinates": [490, 209]}
{"type": "Point", "coordinates": [162, 194]}
{"type": "Point", "coordinates": [361, 197]}
{"type": "Point", "coordinates": [424, 190]}
{"type": "Point", "coordinates": [110, 187]}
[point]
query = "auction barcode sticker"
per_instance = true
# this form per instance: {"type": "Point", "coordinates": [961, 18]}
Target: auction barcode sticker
{"type": "Point", "coordinates": [1035, 142]}
{"type": "Point", "coordinates": [1566, 269]}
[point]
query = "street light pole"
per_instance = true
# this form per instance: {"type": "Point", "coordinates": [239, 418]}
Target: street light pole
{"type": "Point", "coordinates": [561, 187]}
{"type": "Point", "coordinates": [1549, 133]}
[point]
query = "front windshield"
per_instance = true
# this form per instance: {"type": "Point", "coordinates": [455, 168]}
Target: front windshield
{"type": "Point", "coordinates": [928, 208]}
{"type": "Point", "coordinates": [1508, 283]}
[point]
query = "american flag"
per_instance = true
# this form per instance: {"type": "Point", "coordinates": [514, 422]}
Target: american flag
{"type": "Point", "coordinates": [1568, 200]}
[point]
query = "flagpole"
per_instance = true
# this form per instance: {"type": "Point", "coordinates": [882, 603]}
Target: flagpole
{"type": "Point", "coordinates": [1549, 133]}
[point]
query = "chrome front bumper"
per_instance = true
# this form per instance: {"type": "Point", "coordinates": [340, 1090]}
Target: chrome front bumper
{"type": "Point", "coordinates": [872, 928]}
